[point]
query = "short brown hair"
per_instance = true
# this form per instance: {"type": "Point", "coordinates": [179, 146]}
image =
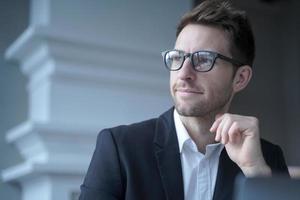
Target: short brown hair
{"type": "Point", "coordinates": [221, 14]}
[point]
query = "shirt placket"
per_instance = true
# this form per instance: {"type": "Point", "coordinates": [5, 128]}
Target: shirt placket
{"type": "Point", "coordinates": [203, 179]}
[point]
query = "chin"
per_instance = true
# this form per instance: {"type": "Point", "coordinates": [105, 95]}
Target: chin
{"type": "Point", "coordinates": [189, 111]}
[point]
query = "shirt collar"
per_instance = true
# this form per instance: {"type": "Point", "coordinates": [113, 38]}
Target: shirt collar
{"type": "Point", "coordinates": [183, 136]}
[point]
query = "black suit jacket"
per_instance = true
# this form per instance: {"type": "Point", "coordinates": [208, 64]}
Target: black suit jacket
{"type": "Point", "coordinates": [142, 162]}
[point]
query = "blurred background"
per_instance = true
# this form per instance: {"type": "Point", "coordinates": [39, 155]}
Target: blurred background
{"type": "Point", "coordinates": [70, 68]}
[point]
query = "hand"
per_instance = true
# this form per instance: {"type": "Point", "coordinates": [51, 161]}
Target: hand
{"type": "Point", "coordinates": [240, 135]}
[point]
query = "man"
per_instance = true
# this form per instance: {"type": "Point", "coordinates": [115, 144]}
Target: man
{"type": "Point", "coordinates": [196, 150]}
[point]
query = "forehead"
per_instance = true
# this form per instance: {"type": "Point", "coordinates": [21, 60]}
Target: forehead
{"type": "Point", "coordinates": [195, 37]}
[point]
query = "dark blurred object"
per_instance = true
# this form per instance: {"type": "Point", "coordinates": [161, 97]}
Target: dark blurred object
{"type": "Point", "coordinates": [275, 188]}
{"type": "Point", "coordinates": [269, 1]}
{"type": "Point", "coordinates": [197, 2]}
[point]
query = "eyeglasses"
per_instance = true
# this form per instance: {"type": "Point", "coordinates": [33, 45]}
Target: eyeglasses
{"type": "Point", "coordinates": [202, 61]}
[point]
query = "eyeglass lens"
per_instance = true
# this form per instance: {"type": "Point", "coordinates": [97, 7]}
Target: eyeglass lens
{"type": "Point", "coordinates": [202, 61]}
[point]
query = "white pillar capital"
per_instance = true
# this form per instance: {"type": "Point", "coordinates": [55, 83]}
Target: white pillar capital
{"type": "Point", "coordinates": [90, 65]}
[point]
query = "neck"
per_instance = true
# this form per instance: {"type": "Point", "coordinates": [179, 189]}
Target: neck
{"type": "Point", "coordinates": [198, 129]}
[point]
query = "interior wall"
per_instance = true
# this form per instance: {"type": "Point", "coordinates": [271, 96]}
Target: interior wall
{"type": "Point", "coordinates": [13, 97]}
{"type": "Point", "coordinates": [273, 94]}
{"type": "Point", "coordinates": [291, 49]}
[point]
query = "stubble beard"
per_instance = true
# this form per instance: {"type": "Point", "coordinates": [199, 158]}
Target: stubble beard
{"type": "Point", "coordinates": [205, 108]}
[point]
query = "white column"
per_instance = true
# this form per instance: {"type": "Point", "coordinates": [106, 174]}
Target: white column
{"type": "Point", "coordinates": [90, 65]}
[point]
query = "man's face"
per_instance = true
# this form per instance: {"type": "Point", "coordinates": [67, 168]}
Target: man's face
{"type": "Point", "coordinates": [201, 94]}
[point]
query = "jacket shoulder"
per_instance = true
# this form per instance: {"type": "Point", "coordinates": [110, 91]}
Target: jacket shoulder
{"type": "Point", "coordinates": [135, 134]}
{"type": "Point", "coordinates": [135, 129]}
{"type": "Point", "coordinates": [144, 130]}
{"type": "Point", "coordinates": [274, 157]}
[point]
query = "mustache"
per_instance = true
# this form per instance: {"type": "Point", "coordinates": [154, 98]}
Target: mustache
{"type": "Point", "coordinates": [187, 87]}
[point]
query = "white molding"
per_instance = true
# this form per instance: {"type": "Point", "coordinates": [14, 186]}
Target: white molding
{"type": "Point", "coordinates": [50, 149]}
{"type": "Point", "coordinates": [35, 141]}
{"type": "Point", "coordinates": [79, 82]}
{"type": "Point", "coordinates": [79, 49]}
{"type": "Point", "coordinates": [27, 170]}
{"type": "Point", "coordinates": [42, 53]}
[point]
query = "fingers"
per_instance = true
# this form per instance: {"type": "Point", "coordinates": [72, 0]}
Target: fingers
{"type": "Point", "coordinates": [234, 133]}
{"type": "Point", "coordinates": [216, 124]}
{"type": "Point", "coordinates": [215, 127]}
{"type": "Point", "coordinates": [226, 129]}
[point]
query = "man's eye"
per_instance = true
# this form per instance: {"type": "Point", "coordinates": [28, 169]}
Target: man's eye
{"type": "Point", "coordinates": [202, 60]}
{"type": "Point", "coordinates": [176, 58]}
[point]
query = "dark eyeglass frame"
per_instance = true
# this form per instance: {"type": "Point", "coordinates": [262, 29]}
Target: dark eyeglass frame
{"type": "Point", "coordinates": [214, 55]}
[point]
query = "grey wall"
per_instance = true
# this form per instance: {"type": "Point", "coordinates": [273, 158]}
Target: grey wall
{"type": "Point", "coordinates": [273, 95]}
{"type": "Point", "coordinates": [14, 15]}
{"type": "Point", "coordinates": [291, 49]}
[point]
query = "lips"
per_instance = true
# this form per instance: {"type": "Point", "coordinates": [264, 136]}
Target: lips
{"type": "Point", "coordinates": [188, 91]}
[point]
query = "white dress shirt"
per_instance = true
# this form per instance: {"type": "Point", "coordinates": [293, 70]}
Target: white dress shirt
{"type": "Point", "coordinates": [199, 170]}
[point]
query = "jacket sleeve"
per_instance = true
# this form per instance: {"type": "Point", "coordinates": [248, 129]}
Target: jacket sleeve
{"type": "Point", "coordinates": [280, 166]}
{"type": "Point", "coordinates": [103, 178]}
{"type": "Point", "coordinates": [275, 159]}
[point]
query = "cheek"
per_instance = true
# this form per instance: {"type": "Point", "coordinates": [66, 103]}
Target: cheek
{"type": "Point", "coordinates": [172, 81]}
{"type": "Point", "coordinates": [218, 84]}
{"type": "Point", "coordinates": [220, 89]}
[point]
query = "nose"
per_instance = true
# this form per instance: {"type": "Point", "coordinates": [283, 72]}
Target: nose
{"type": "Point", "coordinates": [186, 72]}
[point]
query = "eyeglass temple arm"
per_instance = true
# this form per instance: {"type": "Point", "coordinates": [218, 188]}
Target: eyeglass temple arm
{"type": "Point", "coordinates": [233, 61]}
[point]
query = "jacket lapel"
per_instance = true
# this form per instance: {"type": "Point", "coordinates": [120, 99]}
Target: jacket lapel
{"type": "Point", "coordinates": [227, 172]}
{"type": "Point", "coordinates": [168, 157]}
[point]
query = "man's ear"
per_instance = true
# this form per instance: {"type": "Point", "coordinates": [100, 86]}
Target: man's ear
{"type": "Point", "coordinates": [242, 78]}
